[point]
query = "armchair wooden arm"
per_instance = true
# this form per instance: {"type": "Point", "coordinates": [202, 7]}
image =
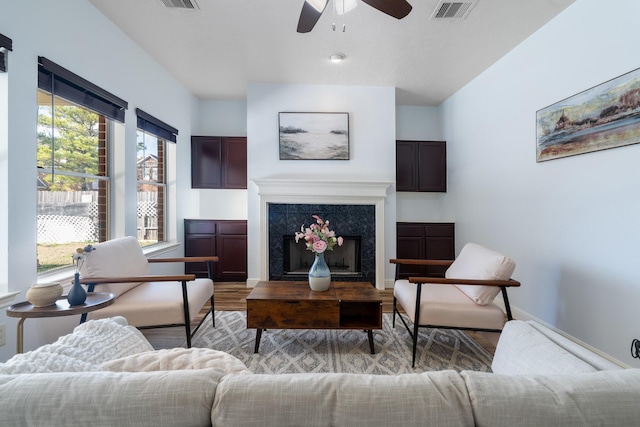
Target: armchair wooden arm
{"type": "Point", "coordinates": [185, 259]}
{"type": "Point", "coordinates": [158, 278]}
{"type": "Point", "coordinates": [443, 281]}
{"type": "Point", "coordinates": [442, 262]}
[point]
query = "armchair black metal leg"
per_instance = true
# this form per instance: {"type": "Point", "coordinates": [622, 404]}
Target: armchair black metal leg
{"type": "Point", "coordinates": [416, 323]}
{"type": "Point", "coordinates": [187, 321]}
{"type": "Point", "coordinates": [395, 310]}
{"type": "Point", "coordinates": [506, 302]}
{"type": "Point", "coordinates": [213, 313]}
{"type": "Point", "coordinates": [90, 288]}
{"type": "Point", "coordinates": [210, 276]}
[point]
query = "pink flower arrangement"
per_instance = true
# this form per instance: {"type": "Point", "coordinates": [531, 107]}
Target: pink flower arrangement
{"type": "Point", "coordinates": [318, 237]}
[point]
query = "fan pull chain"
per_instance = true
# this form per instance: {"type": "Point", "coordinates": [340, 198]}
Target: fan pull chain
{"type": "Point", "coordinates": [344, 26]}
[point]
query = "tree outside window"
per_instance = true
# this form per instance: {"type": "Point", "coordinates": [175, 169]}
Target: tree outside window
{"type": "Point", "coordinates": [72, 180]}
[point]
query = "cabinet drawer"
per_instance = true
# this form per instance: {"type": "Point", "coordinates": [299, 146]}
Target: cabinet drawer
{"type": "Point", "coordinates": [410, 229]}
{"type": "Point", "coordinates": [293, 314]}
{"type": "Point", "coordinates": [232, 227]}
{"type": "Point", "coordinates": [439, 230]}
{"type": "Point", "coordinates": [198, 226]}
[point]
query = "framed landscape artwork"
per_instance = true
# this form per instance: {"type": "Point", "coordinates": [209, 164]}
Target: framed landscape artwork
{"type": "Point", "coordinates": [314, 136]}
{"type": "Point", "coordinates": [605, 116]}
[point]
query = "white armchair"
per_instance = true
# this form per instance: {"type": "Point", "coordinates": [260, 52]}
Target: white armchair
{"type": "Point", "coordinates": [147, 301]}
{"type": "Point", "coordinates": [463, 299]}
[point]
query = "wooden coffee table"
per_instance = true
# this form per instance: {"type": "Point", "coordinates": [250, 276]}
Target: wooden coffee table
{"type": "Point", "coordinates": [293, 305]}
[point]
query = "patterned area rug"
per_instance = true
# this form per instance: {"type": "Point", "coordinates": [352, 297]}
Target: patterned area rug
{"type": "Point", "coordinates": [294, 351]}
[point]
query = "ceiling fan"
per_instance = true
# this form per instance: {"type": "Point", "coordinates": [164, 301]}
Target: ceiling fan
{"type": "Point", "coordinates": [312, 10]}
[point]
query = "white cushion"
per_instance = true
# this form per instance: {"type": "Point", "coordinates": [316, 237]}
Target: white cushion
{"type": "Point", "coordinates": [175, 359]}
{"type": "Point", "coordinates": [121, 257]}
{"type": "Point", "coordinates": [480, 263]}
{"type": "Point", "coordinates": [605, 398]}
{"type": "Point", "coordinates": [598, 362]}
{"type": "Point", "coordinates": [107, 399]}
{"type": "Point", "coordinates": [432, 398]}
{"type": "Point", "coordinates": [90, 344]}
{"type": "Point", "coordinates": [523, 350]}
{"type": "Point", "coordinates": [446, 305]}
{"type": "Point", "coordinates": [158, 303]}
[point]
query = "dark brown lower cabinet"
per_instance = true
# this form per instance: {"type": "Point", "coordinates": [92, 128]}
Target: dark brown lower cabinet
{"type": "Point", "coordinates": [424, 240]}
{"type": "Point", "coordinates": [226, 239]}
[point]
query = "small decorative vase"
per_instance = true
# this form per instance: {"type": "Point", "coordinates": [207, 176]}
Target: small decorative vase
{"type": "Point", "coordinates": [77, 295]}
{"type": "Point", "coordinates": [319, 274]}
{"type": "Point", "coordinates": [44, 294]}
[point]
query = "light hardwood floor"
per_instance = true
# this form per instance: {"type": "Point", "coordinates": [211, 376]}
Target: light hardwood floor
{"type": "Point", "coordinates": [231, 296]}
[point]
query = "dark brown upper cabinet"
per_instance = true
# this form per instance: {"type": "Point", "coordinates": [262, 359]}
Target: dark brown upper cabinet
{"type": "Point", "coordinates": [421, 166]}
{"type": "Point", "coordinates": [218, 162]}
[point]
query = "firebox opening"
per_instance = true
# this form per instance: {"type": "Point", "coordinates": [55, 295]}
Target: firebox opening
{"type": "Point", "coordinates": [343, 260]}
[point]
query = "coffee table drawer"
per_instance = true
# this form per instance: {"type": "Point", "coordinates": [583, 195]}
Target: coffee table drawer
{"type": "Point", "coordinates": [293, 314]}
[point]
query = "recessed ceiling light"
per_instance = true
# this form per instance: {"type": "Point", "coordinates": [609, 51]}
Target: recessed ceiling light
{"type": "Point", "coordinates": [337, 57]}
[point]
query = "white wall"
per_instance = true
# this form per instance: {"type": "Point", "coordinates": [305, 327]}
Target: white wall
{"type": "Point", "coordinates": [571, 224]}
{"type": "Point", "coordinates": [372, 144]}
{"type": "Point", "coordinates": [75, 35]}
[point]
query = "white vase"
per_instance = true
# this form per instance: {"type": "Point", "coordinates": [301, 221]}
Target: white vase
{"type": "Point", "coordinates": [319, 274]}
{"type": "Point", "coordinates": [45, 294]}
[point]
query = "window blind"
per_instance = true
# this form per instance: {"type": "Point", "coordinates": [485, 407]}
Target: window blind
{"type": "Point", "coordinates": [148, 123]}
{"type": "Point", "coordinates": [61, 82]}
{"type": "Point", "coordinates": [5, 44]}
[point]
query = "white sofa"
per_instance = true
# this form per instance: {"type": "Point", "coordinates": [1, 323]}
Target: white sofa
{"type": "Point", "coordinates": [539, 378]}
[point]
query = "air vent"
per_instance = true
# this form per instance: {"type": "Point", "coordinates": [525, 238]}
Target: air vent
{"type": "Point", "coordinates": [181, 4]}
{"type": "Point", "coordinates": [454, 10]}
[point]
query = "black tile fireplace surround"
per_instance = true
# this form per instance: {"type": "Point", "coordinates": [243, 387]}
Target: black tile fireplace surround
{"type": "Point", "coordinates": [345, 220]}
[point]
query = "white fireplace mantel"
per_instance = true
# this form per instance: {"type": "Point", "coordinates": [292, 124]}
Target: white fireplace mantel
{"type": "Point", "coordinates": [322, 190]}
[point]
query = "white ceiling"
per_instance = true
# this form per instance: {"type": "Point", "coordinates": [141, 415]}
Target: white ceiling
{"type": "Point", "coordinates": [225, 44]}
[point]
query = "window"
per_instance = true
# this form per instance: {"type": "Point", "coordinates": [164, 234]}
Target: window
{"type": "Point", "coordinates": [151, 188]}
{"type": "Point", "coordinates": [151, 177]}
{"type": "Point", "coordinates": [6, 44]}
{"type": "Point", "coordinates": [74, 122]}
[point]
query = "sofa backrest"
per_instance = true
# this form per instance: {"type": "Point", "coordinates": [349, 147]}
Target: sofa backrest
{"type": "Point", "coordinates": [120, 257]}
{"type": "Point", "coordinates": [433, 398]}
{"type": "Point", "coordinates": [106, 399]}
{"type": "Point", "coordinates": [604, 398]}
{"type": "Point", "coordinates": [478, 262]}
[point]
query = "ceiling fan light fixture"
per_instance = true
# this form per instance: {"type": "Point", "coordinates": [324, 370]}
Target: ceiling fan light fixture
{"type": "Point", "coordinates": [343, 6]}
{"type": "Point", "coordinates": [337, 57]}
{"type": "Point", "coordinates": [318, 5]}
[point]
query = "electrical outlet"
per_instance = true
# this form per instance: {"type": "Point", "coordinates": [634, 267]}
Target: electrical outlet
{"type": "Point", "coordinates": [3, 334]}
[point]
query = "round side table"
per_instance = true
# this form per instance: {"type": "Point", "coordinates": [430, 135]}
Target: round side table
{"type": "Point", "coordinates": [25, 310]}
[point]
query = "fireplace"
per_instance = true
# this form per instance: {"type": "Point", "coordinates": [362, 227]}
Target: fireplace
{"type": "Point", "coordinates": [354, 261]}
{"type": "Point", "coordinates": [320, 195]}
{"type": "Point", "coordinates": [343, 261]}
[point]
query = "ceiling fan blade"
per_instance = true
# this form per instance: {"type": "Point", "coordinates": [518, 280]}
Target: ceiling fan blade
{"type": "Point", "coordinates": [396, 8]}
{"type": "Point", "coordinates": [311, 12]}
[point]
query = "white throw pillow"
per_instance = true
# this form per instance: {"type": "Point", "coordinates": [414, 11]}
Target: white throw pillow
{"type": "Point", "coordinates": [479, 263]}
{"type": "Point", "coordinates": [177, 359]}
{"type": "Point", "coordinates": [121, 257]}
